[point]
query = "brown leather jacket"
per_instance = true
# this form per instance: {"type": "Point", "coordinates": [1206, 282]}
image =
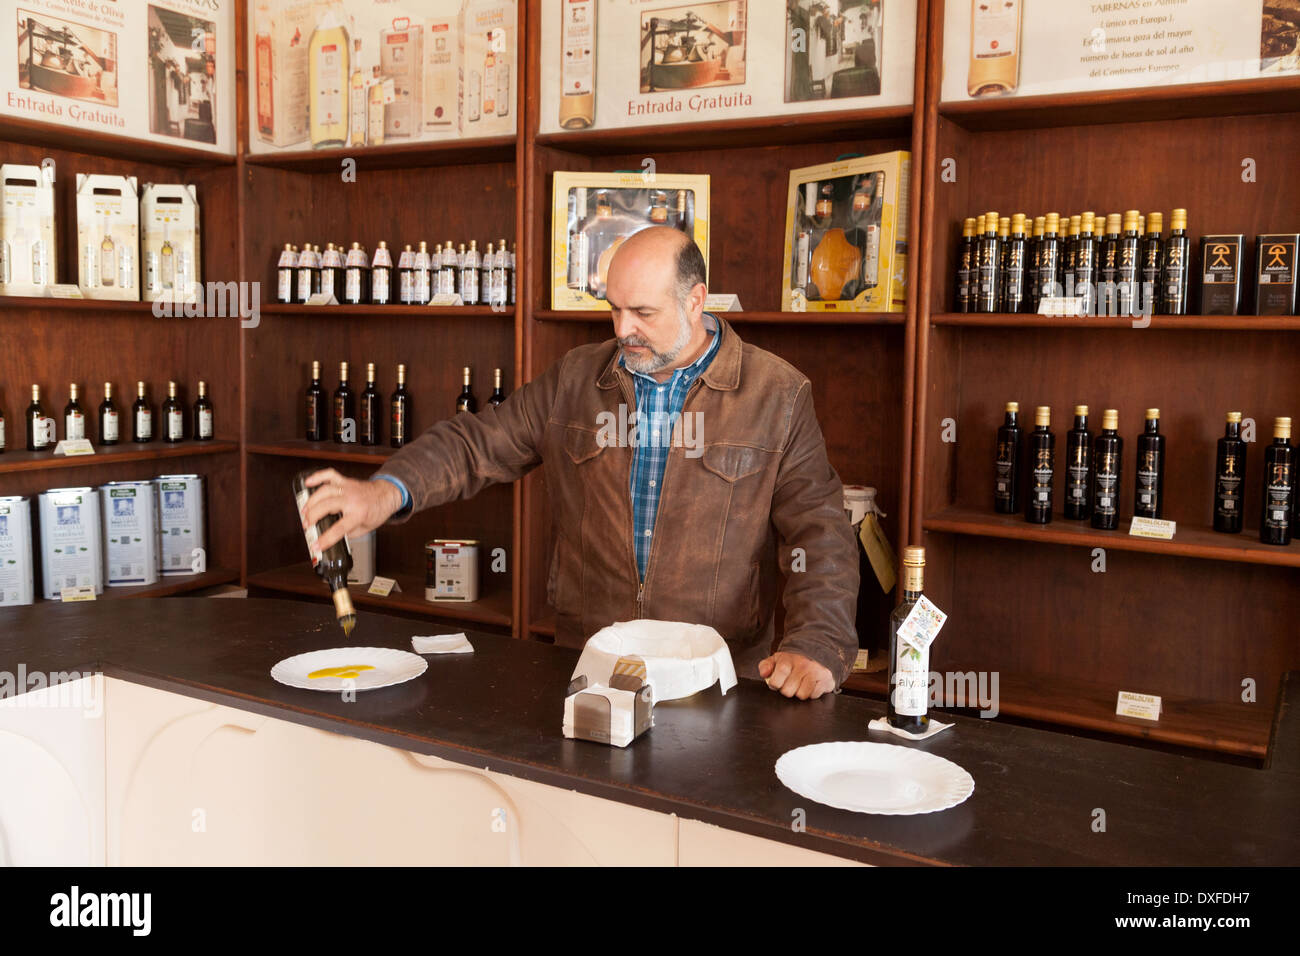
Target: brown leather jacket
{"type": "Point", "coordinates": [754, 491]}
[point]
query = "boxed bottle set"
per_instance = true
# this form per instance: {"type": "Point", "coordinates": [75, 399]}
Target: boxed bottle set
{"type": "Point", "coordinates": [846, 236]}
{"type": "Point", "coordinates": [28, 253]}
{"type": "Point", "coordinates": [169, 224]}
{"type": "Point", "coordinates": [108, 236]}
{"type": "Point", "coordinates": [594, 213]}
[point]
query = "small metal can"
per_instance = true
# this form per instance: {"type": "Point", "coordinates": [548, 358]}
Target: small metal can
{"type": "Point", "coordinates": [451, 570]}
{"type": "Point", "coordinates": [180, 523]}
{"type": "Point", "coordinates": [72, 549]}
{"type": "Point", "coordinates": [16, 577]}
{"type": "Point", "coordinates": [130, 516]}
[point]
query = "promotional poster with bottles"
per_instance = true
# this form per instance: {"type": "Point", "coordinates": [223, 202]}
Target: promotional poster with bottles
{"type": "Point", "coordinates": [619, 63]}
{"type": "Point", "coordinates": [333, 74]}
{"type": "Point", "coordinates": [161, 70]}
{"type": "Point", "coordinates": [1016, 47]}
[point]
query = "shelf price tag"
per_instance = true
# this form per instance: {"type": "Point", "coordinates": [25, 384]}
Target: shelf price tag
{"type": "Point", "coordinates": [382, 587]}
{"type": "Point", "coordinates": [74, 446]}
{"type": "Point", "coordinates": [322, 298]}
{"type": "Point", "coordinates": [447, 298]}
{"type": "Point", "coordinates": [63, 290]}
{"type": "Point", "coordinates": [922, 625]}
{"type": "Point", "coordinates": [1145, 706]}
{"type": "Point", "coordinates": [1153, 528]}
{"type": "Point", "coordinates": [722, 302]}
{"type": "Point", "coordinates": [82, 592]}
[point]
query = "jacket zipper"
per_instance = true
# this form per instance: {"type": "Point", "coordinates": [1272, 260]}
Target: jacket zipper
{"type": "Point", "coordinates": [627, 483]}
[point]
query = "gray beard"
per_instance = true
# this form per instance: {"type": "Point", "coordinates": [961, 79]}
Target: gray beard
{"type": "Point", "coordinates": [658, 361]}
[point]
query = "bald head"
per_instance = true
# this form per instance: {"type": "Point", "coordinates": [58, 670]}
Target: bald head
{"type": "Point", "coordinates": [656, 291]}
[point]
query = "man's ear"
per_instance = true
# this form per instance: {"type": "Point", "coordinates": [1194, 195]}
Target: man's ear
{"type": "Point", "coordinates": [697, 297]}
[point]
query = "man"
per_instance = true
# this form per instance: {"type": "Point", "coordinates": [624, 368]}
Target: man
{"type": "Point", "coordinates": [685, 517]}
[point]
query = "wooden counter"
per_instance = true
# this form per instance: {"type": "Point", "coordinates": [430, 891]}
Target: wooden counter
{"type": "Point", "coordinates": [709, 758]}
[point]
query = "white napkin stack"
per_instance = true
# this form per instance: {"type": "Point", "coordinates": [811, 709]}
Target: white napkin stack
{"type": "Point", "coordinates": [882, 723]}
{"type": "Point", "coordinates": [442, 644]}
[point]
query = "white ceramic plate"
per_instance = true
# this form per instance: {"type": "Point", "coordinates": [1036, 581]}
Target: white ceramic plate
{"type": "Point", "coordinates": [343, 668]}
{"type": "Point", "coordinates": [874, 778]}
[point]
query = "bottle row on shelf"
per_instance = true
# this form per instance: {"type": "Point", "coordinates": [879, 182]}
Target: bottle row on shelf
{"type": "Point", "coordinates": [121, 534]}
{"type": "Point", "coordinates": [42, 430]}
{"type": "Point", "coordinates": [1025, 473]}
{"type": "Point", "coordinates": [1118, 265]}
{"type": "Point", "coordinates": [358, 419]}
{"type": "Point", "coordinates": [352, 277]}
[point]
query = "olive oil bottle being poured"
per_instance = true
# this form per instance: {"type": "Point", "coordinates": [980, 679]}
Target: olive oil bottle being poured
{"type": "Point", "coordinates": [332, 564]}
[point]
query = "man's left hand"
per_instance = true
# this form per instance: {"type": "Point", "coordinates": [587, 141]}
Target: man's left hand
{"type": "Point", "coordinates": [795, 675]}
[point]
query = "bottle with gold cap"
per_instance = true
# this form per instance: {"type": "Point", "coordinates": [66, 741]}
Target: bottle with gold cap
{"type": "Point", "coordinates": [1126, 269]}
{"type": "Point", "coordinates": [965, 257]}
{"type": "Point", "coordinates": [333, 563]}
{"type": "Point", "coordinates": [989, 262]}
{"type": "Point", "coordinates": [1107, 468]}
{"type": "Point", "coordinates": [406, 274]}
{"type": "Point", "coordinates": [381, 276]}
{"type": "Point", "coordinates": [1229, 475]}
{"type": "Point", "coordinates": [1070, 254]}
{"type": "Point", "coordinates": [1013, 272]}
{"type": "Point", "coordinates": [1049, 257]}
{"type": "Point", "coordinates": [356, 276]}
{"type": "Point", "coordinates": [498, 393]}
{"type": "Point", "coordinates": [141, 416]}
{"type": "Point", "coordinates": [909, 666]}
{"type": "Point", "coordinates": [421, 271]}
{"type": "Point", "coordinates": [1149, 268]}
{"type": "Point", "coordinates": [316, 404]}
{"type": "Point", "coordinates": [108, 421]}
{"type": "Point", "coordinates": [173, 416]}
{"type": "Point", "coordinates": [1149, 495]}
{"type": "Point", "coordinates": [308, 273]}
{"type": "Point", "coordinates": [285, 268]}
{"type": "Point", "coordinates": [1174, 266]}
{"type": "Point", "coordinates": [399, 411]}
{"type": "Point", "coordinates": [1279, 486]}
{"type": "Point", "coordinates": [1006, 474]}
{"type": "Point", "coordinates": [331, 271]}
{"type": "Point", "coordinates": [1004, 242]}
{"type": "Point", "coordinates": [1033, 259]}
{"type": "Point", "coordinates": [345, 409]}
{"type": "Point", "coordinates": [1078, 468]}
{"type": "Point", "coordinates": [74, 418]}
{"type": "Point", "coordinates": [1042, 468]}
{"type": "Point", "coordinates": [1108, 268]}
{"type": "Point", "coordinates": [369, 412]}
{"type": "Point", "coordinates": [465, 401]}
{"type": "Point", "coordinates": [203, 417]}
{"type": "Point", "coordinates": [1085, 265]}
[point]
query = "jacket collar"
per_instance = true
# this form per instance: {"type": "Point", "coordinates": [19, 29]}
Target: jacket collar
{"type": "Point", "coordinates": [723, 372]}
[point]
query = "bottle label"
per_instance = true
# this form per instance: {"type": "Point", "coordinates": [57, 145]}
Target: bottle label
{"type": "Point", "coordinates": [364, 416]}
{"type": "Point", "coordinates": [1044, 470]}
{"type": "Point", "coordinates": [1077, 473]}
{"type": "Point", "coordinates": [74, 426]}
{"type": "Point", "coordinates": [379, 285]}
{"type": "Point", "coordinates": [404, 285]}
{"type": "Point", "coordinates": [285, 288]}
{"type": "Point", "coordinates": [1148, 474]}
{"type": "Point", "coordinates": [311, 534]}
{"type": "Point", "coordinates": [911, 677]}
{"type": "Point", "coordinates": [304, 284]}
{"type": "Point", "coordinates": [109, 427]}
{"type": "Point", "coordinates": [2, 433]}
{"type": "Point", "coordinates": [205, 424]}
{"type": "Point", "coordinates": [578, 63]}
{"type": "Point", "coordinates": [1227, 489]}
{"type": "Point", "coordinates": [1277, 497]}
{"type": "Point", "coordinates": [175, 425]}
{"type": "Point", "coordinates": [352, 286]}
{"type": "Point", "coordinates": [398, 422]}
{"type": "Point", "coordinates": [1004, 476]}
{"type": "Point", "coordinates": [41, 433]}
{"type": "Point", "coordinates": [313, 413]}
{"type": "Point", "coordinates": [144, 423]}
{"type": "Point", "coordinates": [1107, 498]}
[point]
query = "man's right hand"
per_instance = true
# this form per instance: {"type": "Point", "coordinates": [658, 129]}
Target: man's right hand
{"type": "Point", "coordinates": [363, 505]}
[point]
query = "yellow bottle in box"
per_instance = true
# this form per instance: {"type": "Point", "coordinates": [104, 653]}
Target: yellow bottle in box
{"type": "Point", "coordinates": [327, 57]}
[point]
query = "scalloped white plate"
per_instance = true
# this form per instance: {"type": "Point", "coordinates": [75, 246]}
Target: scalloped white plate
{"type": "Point", "coordinates": [383, 667]}
{"type": "Point", "coordinates": [874, 778]}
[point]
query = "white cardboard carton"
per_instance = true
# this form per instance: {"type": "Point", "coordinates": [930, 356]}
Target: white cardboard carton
{"type": "Point", "coordinates": [488, 67]}
{"type": "Point", "coordinates": [441, 69]}
{"type": "Point", "coordinates": [169, 246]}
{"type": "Point", "coordinates": [108, 236]}
{"type": "Point", "coordinates": [28, 251]}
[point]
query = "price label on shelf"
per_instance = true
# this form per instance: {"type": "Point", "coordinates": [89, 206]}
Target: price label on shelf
{"type": "Point", "coordinates": [1153, 528]}
{"type": "Point", "coordinates": [1145, 706]}
{"type": "Point", "coordinates": [74, 446]}
{"type": "Point", "coordinates": [382, 587]}
{"type": "Point", "coordinates": [922, 625]}
{"type": "Point", "coordinates": [83, 592]}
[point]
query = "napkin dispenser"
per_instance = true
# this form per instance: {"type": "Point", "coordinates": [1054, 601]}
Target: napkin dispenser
{"type": "Point", "coordinates": [616, 713]}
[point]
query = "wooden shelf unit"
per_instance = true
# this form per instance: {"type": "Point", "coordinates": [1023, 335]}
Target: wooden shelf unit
{"type": "Point", "coordinates": [1189, 618]}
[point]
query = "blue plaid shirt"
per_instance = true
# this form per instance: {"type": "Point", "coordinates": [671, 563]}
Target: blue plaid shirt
{"type": "Point", "coordinates": [658, 410]}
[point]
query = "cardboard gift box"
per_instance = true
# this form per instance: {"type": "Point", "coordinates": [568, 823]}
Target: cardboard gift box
{"type": "Point", "coordinates": [594, 213]}
{"type": "Point", "coordinates": [108, 237]}
{"type": "Point", "coordinates": [169, 242]}
{"type": "Point", "coordinates": [28, 252]}
{"type": "Point", "coordinates": [488, 70]}
{"type": "Point", "coordinates": [846, 236]}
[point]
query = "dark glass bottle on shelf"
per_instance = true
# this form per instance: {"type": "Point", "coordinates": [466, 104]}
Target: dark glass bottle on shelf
{"type": "Point", "coordinates": [1229, 477]}
{"type": "Point", "coordinates": [1085, 265]}
{"type": "Point", "coordinates": [332, 564]}
{"type": "Point", "coordinates": [1126, 268]}
{"type": "Point", "coordinates": [1070, 255]}
{"type": "Point", "coordinates": [173, 416]}
{"type": "Point", "coordinates": [368, 412]}
{"type": "Point", "coordinates": [345, 407]}
{"type": "Point", "coordinates": [498, 395]}
{"type": "Point", "coordinates": [1107, 470]}
{"type": "Point", "coordinates": [1149, 271]}
{"type": "Point", "coordinates": [109, 421]}
{"type": "Point", "coordinates": [406, 276]}
{"type": "Point", "coordinates": [1279, 486]}
{"type": "Point", "coordinates": [1077, 505]}
{"type": "Point", "coordinates": [1004, 248]}
{"type": "Point", "coordinates": [988, 268]}
{"type": "Point", "coordinates": [1108, 267]}
{"type": "Point", "coordinates": [1042, 468]}
{"type": "Point", "coordinates": [315, 430]}
{"type": "Point", "coordinates": [74, 418]}
{"type": "Point", "coordinates": [1149, 494]}
{"type": "Point", "coordinates": [331, 271]}
{"type": "Point", "coordinates": [141, 416]}
{"type": "Point", "coordinates": [308, 273]}
{"type": "Point", "coordinates": [1034, 256]}
{"type": "Point", "coordinates": [356, 276]}
{"type": "Point", "coordinates": [285, 269]}
{"type": "Point", "coordinates": [1006, 478]}
{"type": "Point", "coordinates": [37, 437]}
{"type": "Point", "coordinates": [909, 667]}
{"type": "Point", "coordinates": [965, 258]}
{"type": "Point", "coordinates": [399, 412]}
{"type": "Point", "coordinates": [1013, 273]}
{"type": "Point", "coordinates": [465, 401]}
{"type": "Point", "coordinates": [204, 422]}
{"type": "Point", "coordinates": [1049, 257]}
{"type": "Point", "coordinates": [1174, 266]}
